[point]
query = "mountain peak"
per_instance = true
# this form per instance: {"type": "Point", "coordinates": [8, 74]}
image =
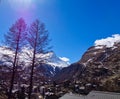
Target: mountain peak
{"type": "Point", "coordinates": [107, 42]}
{"type": "Point", "coordinates": [53, 60]}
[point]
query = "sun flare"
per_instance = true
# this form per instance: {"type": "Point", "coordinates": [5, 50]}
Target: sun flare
{"type": "Point", "coordinates": [20, 4]}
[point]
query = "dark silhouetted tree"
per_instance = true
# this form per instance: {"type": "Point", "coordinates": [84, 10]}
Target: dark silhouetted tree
{"type": "Point", "coordinates": [15, 40]}
{"type": "Point", "coordinates": [38, 40]}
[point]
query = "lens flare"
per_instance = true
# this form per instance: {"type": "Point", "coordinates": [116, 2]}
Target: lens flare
{"type": "Point", "coordinates": [26, 8]}
{"type": "Point", "coordinates": [23, 8]}
{"type": "Point", "coordinates": [20, 4]}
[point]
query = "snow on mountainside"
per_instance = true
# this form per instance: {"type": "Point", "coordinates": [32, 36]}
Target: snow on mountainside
{"type": "Point", "coordinates": [101, 49]}
{"type": "Point", "coordinates": [25, 56]}
{"type": "Point", "coordinates": [49, 58]}
{"type": "Point", "coordinates": [53, 60]}
{"type": "Point", "coordinates": [108, 42]}
{"type": "Point", "coordinates": [48, 64]}
{"type": "Point", "coordinates": [6, 56]}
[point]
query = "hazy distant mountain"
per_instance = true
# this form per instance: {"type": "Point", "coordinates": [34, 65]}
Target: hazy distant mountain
{"type": "Point", "coordinates": [99, 65]}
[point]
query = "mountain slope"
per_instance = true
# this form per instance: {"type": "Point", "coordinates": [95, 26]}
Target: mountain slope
{"type": "Point", "coordinates": [99, 65]}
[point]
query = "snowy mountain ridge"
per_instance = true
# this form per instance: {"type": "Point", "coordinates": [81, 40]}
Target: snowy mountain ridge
{"type": "Point", "coordinates": [108, 42]}
{"type": "Point", "coordinates": [25, 56]}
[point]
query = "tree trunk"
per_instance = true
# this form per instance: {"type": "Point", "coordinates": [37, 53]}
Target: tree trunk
{"type": "Point", "coordinates": [32, 69]}
{"type": "Point", "coordinates": [14, 68]}
{"type": "Point", "coordinates": [13, 75]}
{"type": "Point", "coordinates": [31, 78]}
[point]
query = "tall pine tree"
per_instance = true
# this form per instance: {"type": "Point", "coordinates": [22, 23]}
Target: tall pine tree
{"type": "Point", "coordinates": [14, 39]}
{"type": "Point", "coordinates": [38, 41]}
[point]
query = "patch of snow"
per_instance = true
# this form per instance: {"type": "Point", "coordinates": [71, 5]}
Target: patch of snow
{"type": "Point", "coordinates": [109, 41]}
{"type": "Point", "coordinates": [65, 59]}
{"type": "Point", "coordinates": [82, 87]}
{"type": "Point", "coordinates": [114, 47]}
{"type": "Point", "coordinates": [15, 90]}
{"type": "Point", "coordinates": [98, 47]}
{"type": "Point", "coordinates": [89, 60]}
{"type": "Point", "coordinates": [95, 53]}
{"type": "Point", "coordinates": [51, 72]}
{"type": "Point", "coordinates": [84, 64]}
{"type": "Point", "coordinates": [5, 50]}
{"type": "Point", "coordinates": [24, 85]}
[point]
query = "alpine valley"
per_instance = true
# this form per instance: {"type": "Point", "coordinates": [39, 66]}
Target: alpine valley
{"type": "Point", "coordinates": [99, 67]}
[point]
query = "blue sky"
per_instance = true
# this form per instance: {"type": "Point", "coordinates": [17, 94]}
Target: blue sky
{"type": "Point", "coordinates": [73, 25]}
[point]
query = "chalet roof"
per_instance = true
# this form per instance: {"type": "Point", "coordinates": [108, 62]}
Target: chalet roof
{"type": "Point", "coordinates": [93, 95]}
{"type": "Point", "coordinates": [102, 95]}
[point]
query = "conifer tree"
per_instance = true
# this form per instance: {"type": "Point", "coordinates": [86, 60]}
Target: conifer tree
{"type": "Point", "coordinates": [38, 41]}
{"type": "Point", "coordinates": [14, 39]}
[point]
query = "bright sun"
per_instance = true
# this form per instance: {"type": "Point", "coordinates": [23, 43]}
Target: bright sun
{"type": "Point", "coordinates": [20, 4]}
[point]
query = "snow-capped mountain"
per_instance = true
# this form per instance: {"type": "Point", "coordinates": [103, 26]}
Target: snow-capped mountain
{"type": "Point", "coordinates": [53, 60]}
{"type": "Point", "coordinates": [109, 41]}
{"type": "Point", "coordinates": [104, 47]}
{"type": "Point", "coordinates": [47, 64]}
{"type": "Point", "coordinates": [99, 65]}
{"type": "Point", "coordinates": [49, 58]}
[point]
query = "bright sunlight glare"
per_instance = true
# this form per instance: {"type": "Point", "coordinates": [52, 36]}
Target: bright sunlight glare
{"type": "Point", "coordinates": [26, 8]}
{"type": "Point", "coordinates": [20, 4]}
